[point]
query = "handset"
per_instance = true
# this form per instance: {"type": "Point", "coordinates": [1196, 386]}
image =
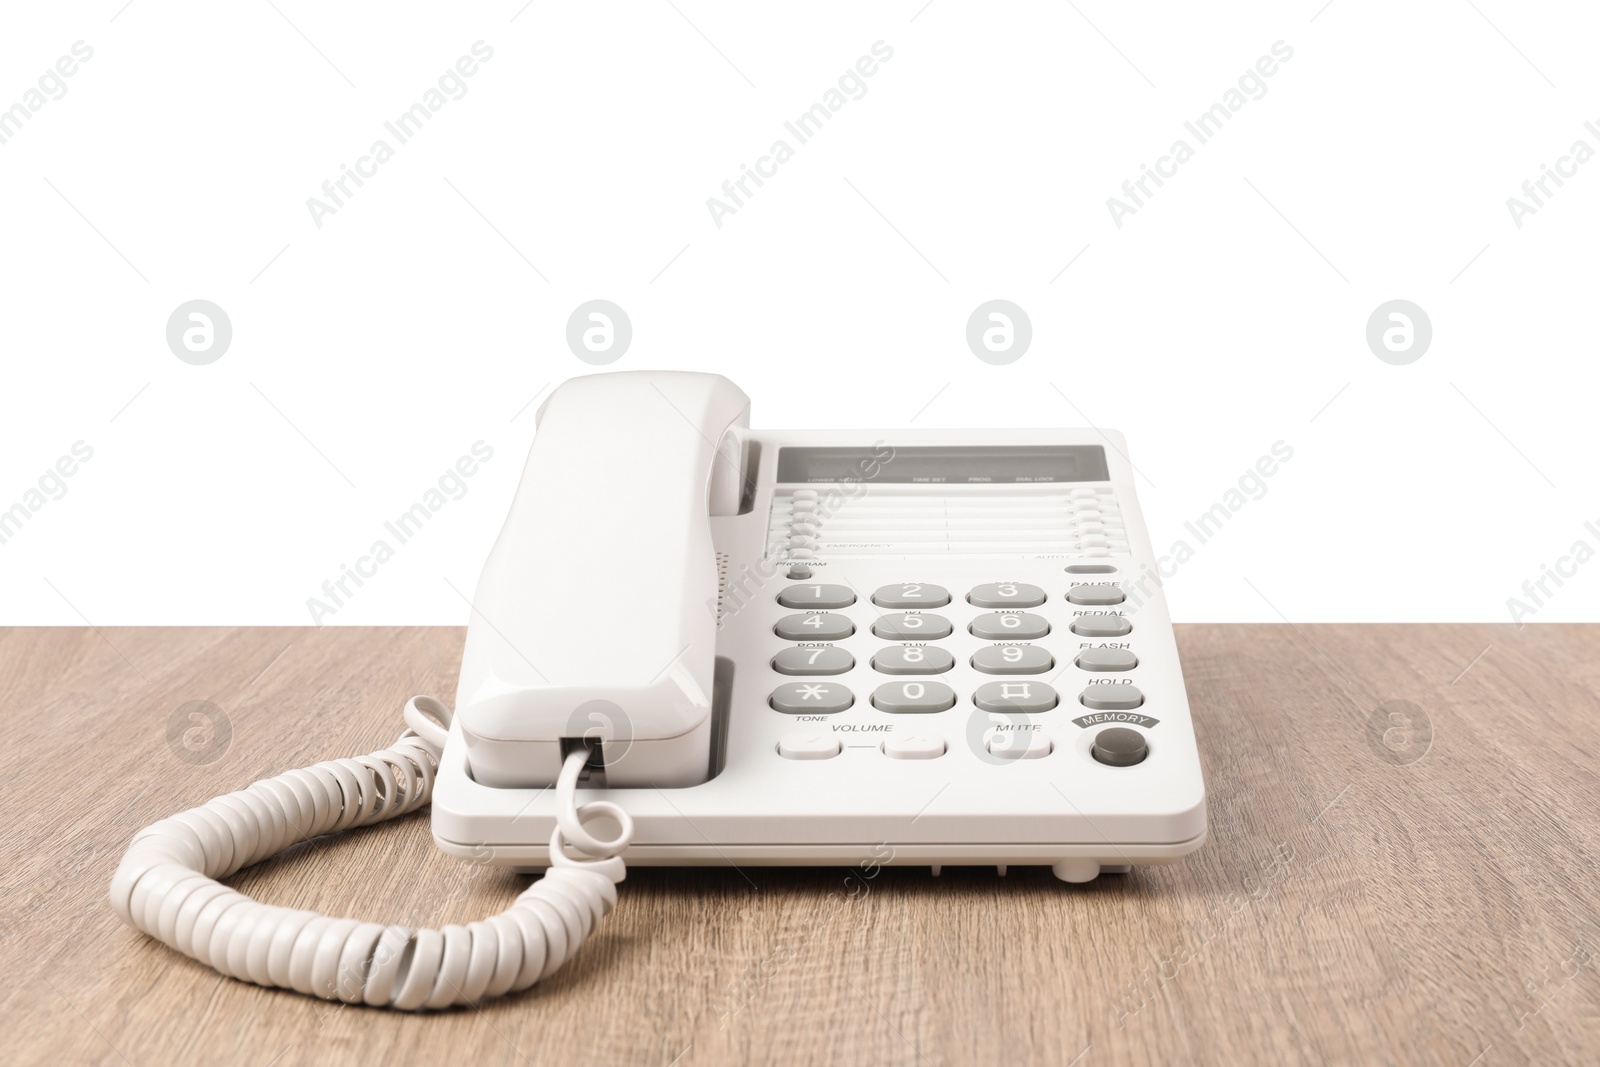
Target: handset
{"type": "Point", "coordinates": [593, 618]}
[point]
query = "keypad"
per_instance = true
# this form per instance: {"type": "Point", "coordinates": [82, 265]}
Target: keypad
{"type": "Point", "coordinates": [1012, 659]}
{"type": "Point", "coordinates": [913, 659]}
{"type": "Point", "coordinates": [811, 698]}
{"type": "Point", "coordinates": [911, 655]}
{"type": "Point", "coordinates": [1022, 626]}
{"type": "Point", "coordinates": [1017, 698]}
{"type": "Point", "coordinates": [907, 626]}
{"type": "Point", "coordinates": [817, 596]}
{"type": "Point", "coordinates": [805, 661]}
{"type": "Point", "coordinates": [820, 626]}
{"type": "Point", "coordinates": [911, 595]}
{"type": "Point", "coordinates": [1101, 626]}
{"type": "Point", "coordinates": [912, 698]}
{"type": "Point", "coordinates": [1006, 595]}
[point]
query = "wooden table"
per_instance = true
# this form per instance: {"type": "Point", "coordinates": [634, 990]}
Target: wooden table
{"type": "Point", "coordinates": [1422, 890]}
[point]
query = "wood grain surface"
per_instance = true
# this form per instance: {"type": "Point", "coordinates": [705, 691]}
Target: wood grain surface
{"type": "Point", "coordinates": [1405, 824]}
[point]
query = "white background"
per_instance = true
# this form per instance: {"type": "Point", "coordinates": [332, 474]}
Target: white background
{"type": "Point", "coordinates": [1227, 314]}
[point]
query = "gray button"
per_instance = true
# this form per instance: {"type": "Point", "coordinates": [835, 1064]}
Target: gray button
{"type": "Point", "coordinates": [826, 659]}
{"type": "Point", "coordinates": [1012, 659]}
{"type": "Point", "coordinates": [1006, 595]}
{"type": "Point", "coordinates": [911, 698]}
{"type": "Point", "coordinates": [1107, 659]}
{"type": "Point", "coordinates": [911, 595]}
{"type": "Point", "coordinates": [1101, 626]}
{"type": "Point", "coordinates": [1019, 697]}
{"type": "Point", "coordinates": [1120, 747]}
{"type": "Point", "coordinates": [799, 572]}
{"type": "Point", "coordinates": [913, 659]}
{"type": "Point", "coordinates": [1095, 595]}
{"type": "Point", "coordinates": [814, 627]}
{"type": "Point", "coordinates": [906, 626]}
{"type": "Point", "coordinates": [1090, 568]}
{"type": "Point", "coordinates": [1112, 697]}
{"type": "Point", "coordinates": [1022, 626]}
{"type": "Point", "coordinates": [817, 596]}
{"type": "Point", "coordinates": [811, 698]}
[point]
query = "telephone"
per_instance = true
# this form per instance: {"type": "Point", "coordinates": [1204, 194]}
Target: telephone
{"type": "Point", "coordinates": [697, 643]}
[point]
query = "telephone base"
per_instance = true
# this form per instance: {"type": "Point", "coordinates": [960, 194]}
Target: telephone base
{"type": "Point", "coordinates": [1069, 863]}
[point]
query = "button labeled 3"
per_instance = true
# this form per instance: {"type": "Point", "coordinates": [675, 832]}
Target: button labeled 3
{"type": "Point", "coordinates": [1006, 595]}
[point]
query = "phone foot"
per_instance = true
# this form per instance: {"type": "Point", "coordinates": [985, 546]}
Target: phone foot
{"type": "Point", "coordinates": [1076, 870]}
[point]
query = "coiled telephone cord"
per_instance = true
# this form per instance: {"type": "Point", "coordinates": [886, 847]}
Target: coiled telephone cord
{"type": "Point", "coordinates": [166, 885]}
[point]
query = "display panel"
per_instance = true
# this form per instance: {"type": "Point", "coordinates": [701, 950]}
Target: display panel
{"type": "Point", "coordinates": [944, 464]}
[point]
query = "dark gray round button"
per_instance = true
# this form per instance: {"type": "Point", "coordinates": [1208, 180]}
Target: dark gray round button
{"type": "Point", "coordinates": [1120, 747]}
{"type": "Point", "coordinates": [817, 595]}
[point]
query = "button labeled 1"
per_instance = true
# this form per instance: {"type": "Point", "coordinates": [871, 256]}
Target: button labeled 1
{"type": "Point", "coordinates": [817, 596]}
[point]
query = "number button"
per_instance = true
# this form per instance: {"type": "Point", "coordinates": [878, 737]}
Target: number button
{"type": "Point", "coordinates": [1021, 698]}
{"type": "Point", "coordinates": [1006, 595]}
{"type": "Point", "coordinates": [913, 659]}
{"type": "Point", "coordinates": [1012, 659]}
{"type": "Point", "coordinates": [1107, 659]}
{"type": "Point", "coordinates": [908, 627]}
{"type": "Point", "coordinates": [1102, 626]}
{"type": "Point", "coordinates": [1095, 595]}
{"type": "Point", "coordinates": [911, 595]}
{"type": "Point", "coordinates": [811, 698]}
{"type": "Point", "coordinates": [1022, 626]}
{"type": "Point", "coordinates": [913, 698]}
{"type": "Point", "coordinates": [817, 596]}
{"type": "Point", "coordinates": [803, 661]}
{"type": "Point", "coordinates": [819, 627]}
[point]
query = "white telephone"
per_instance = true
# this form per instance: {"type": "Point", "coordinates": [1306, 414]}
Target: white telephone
{"type": "Point", "coordinates": [695, 643]}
